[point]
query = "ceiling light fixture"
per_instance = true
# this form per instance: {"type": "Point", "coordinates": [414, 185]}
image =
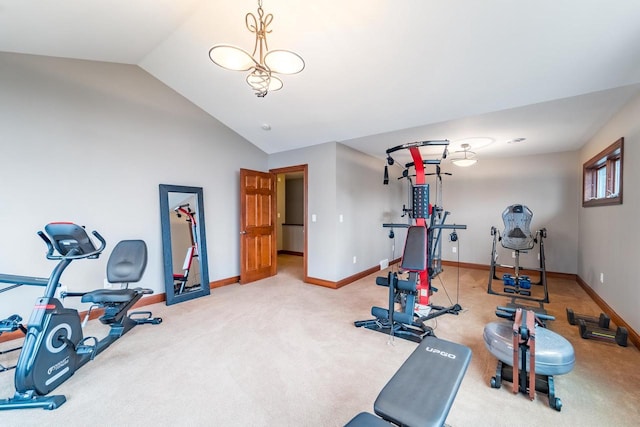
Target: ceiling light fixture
{"type": "Point", "coordinates": [268, 62]}
{"type": "Point", "coordinates": [464, 158]}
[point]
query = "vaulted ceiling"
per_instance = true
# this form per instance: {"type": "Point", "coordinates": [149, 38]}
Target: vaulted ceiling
{"type": "Point", "coordinates": [378, 73]}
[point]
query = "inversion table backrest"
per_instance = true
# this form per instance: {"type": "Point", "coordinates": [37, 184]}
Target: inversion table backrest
{"type": "Point", "coordinates": [517, 233]}
{"type": "Point", "coordinates": [422, 391]}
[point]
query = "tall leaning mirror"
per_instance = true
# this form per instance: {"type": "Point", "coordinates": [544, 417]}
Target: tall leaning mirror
{"type": "Point", "coordinates": [186, 274]}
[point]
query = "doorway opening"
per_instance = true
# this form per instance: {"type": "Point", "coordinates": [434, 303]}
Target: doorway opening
{"type": "Point", "coordinates": [291, 220]}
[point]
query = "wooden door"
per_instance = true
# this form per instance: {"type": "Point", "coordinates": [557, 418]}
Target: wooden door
{"type": "Point", "coordinates": [257, 226]}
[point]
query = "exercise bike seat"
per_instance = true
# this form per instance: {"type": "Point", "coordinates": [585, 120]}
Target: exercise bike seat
{"type": "Point", "coordinates": [106, 296]}
{"type": "Point", "coordinates": [517, 232]}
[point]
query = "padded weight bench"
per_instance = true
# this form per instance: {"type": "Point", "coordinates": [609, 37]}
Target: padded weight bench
{"type": "Point", "coordinates": [422, 391]}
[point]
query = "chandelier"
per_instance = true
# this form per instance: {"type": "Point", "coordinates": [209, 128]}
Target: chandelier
{"type": "Point", "coordinates": [267, 62]}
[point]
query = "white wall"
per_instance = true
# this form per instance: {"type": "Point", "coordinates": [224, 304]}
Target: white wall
{"type": "Point", "coordinates": [609, 235]}
{"type": "Point", "coordinates": [89, 142]}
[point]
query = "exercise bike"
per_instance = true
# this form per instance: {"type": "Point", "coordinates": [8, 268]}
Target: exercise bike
{"type": "Point", "coordinates": [54, 346]}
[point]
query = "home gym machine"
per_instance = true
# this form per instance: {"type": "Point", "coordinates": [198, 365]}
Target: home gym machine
{"type": "Point", "coordinates": [421, 256]}
{"type": "Point", "coordinates": [180, 280]}
{"type": "Point", "coordinates": [517, 237]}
{"type": "Point", "coordinates": [54, 346]}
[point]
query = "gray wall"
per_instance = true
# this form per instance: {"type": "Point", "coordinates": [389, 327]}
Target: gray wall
{"type": "Point", "coordinates": [609, 235]}
{"type": "Point", "coordinates": [477, 196]}
{"type": "Point", "coordinates": [364, 204]}
{"type": "Point", "coordinates": [294, 201]}
{"type": "Point", "coordinates": [89, 142]}
{"type": "Point", "coordinates": [321, 203]}
{"type": "Point", "coordinates": [344, 182]}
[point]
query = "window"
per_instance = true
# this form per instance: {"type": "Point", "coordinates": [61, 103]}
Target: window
{"type": "Point", "coordinates": [602, 177]}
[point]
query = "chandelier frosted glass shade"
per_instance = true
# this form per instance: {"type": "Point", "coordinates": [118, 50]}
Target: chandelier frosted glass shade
{"type": "Point", "coordinates": [237, 59]}
{"type": "Point", "coordinates": [231, 57]}
{"type": "Point", "coordinates": [284, 62]}
{"type": "Point", "coordinates": [262, 67]}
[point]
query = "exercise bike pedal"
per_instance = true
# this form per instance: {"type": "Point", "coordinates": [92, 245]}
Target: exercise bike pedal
{"type": "Point", "coordinates": [83, 348]}
{"type": "Point", "coordinates": [10, 324]}
{"type": "Point", "coordinates": [146, 319]}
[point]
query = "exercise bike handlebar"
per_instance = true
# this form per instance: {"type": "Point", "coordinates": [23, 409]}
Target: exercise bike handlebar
{"type": "Point", "coordinates": [74, 253]}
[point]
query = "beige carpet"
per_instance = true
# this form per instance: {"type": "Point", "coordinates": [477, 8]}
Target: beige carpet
{"type": "Point", "coordinates": [283, 353]}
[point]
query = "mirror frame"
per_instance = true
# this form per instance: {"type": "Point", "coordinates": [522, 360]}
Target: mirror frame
{"type": "Point", "coordinates": [165, 219]}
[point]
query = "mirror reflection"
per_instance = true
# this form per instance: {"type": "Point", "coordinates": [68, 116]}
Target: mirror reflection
{"type": "Point", "coordinates": [184, 247]}
{"type": "Point", "coordinates": [184, 240]}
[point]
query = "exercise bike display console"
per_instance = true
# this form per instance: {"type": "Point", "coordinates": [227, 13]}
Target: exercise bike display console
{"type": "Point", "coordinates": [54, 346]}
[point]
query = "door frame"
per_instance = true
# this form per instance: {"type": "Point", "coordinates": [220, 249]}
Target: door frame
{"type": "Point", "coordinates": [305, 173]}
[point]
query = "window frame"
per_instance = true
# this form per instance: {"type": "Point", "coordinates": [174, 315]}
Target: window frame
{"type": "Point", "coordinates": [607, 158]}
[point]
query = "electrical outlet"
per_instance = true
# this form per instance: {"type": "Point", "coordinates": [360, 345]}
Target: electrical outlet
{"type": "Point", "coordinates": [454, 249]}
{"type": "Point", "coordinates": [107, 285]}
{"type": "Point", "coordinates": [354, 259]}
{"type": "Point", "coordinates": [513, 254]}
{"type": "Point", "coordinates": [601, 277]}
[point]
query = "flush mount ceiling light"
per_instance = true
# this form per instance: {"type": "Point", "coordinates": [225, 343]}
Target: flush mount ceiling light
{"type": "Point", "coordinates": [262, 67]}
{"type": "Point", "coordinates": [516, 140]}
{"type": "Point", "coordinates": [464, 157]}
